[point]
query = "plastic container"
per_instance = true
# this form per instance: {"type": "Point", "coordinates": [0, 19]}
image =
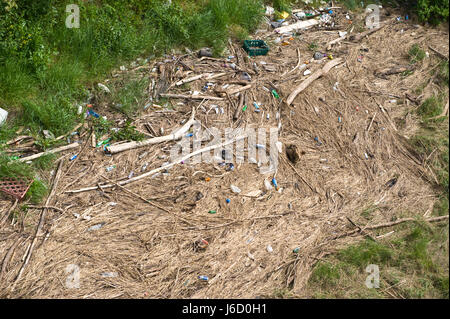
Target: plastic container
{"type": "Point", "coordinates": [255, 47]}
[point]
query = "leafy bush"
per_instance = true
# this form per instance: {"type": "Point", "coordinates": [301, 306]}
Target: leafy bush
{"type": "Point", "coordinates": [433, 11]}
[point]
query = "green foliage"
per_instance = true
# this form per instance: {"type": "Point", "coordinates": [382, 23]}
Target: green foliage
{"type": "Point", "coordinates": [56, 114]}
{"type": "Point", "coordinates": [128, 132]}
{"type": "Point", "coordinates": [44, 162]}
{"type": "Point", "coordinates": [130, 98]}
{"type": "Point", "coordinates": [13, 168]}
{"type": "Point", "coordinates": [433, 11]}
{"type": "Point", "coordinates": [430, 107]}
{"type": "Point", "coordinates": [282, 5]}
{"type": "Point", "coordinates": [326, 274]}
{"type": "Point", "coordinates": [434, 139]}
{"type": "Point", "coordinates": [416, 54]}
{"type": "Point", "coordinates": [368, 252]}
{"type": "Point", "coordinates": [101, 126]}
{"type": "Point", "coordinates": [443, 73]}
{"type": "Point", "coordinates": [313, 46]}
{"type": "Point", "coordinates": [416, 262]}
{"type": "Point", "coordinates": [37, 191]}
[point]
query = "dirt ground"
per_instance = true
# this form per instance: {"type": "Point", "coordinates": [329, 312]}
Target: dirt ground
{"type": "Point", "coordinates": [154, 247]}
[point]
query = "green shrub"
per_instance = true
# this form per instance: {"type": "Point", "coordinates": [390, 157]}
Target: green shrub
{"type": "Point", "coordinates": [433, 11]}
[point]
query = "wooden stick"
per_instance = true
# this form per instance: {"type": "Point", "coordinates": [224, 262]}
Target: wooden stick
{"type": "Point", "coordinates": [360, 229]}
{"type": "Point", "coordinates": [8, 256]}
{"type": "Point", "coordinates": [430, 220]}
{"type": "Point", "coordinates": [79, 154]}
{"type": "Point", "coordinates": [244, 88]}
{"type": "Point", "coordinates": [330, 44]}
{"type": "Point", "coordinates": [360, 36]}
{"type": "Point", "coordinates": [47, 207]}
{"type": "Point", "coordinates": [13, 206]}
{"type": "Point", "coordinates": [156, 170]}
{"type": "Point", "coordinates": [370, 125]}
{"type": "Point", "coordinates": [444, 112]}
{"type": "Point", "coordinates": [443, 56]}
{"type": "Point", "coordinates": [298, 63]}
{"type": "Point", "coordinates": [298, 174]}
{"type": "Point", "coordinates": [147, 201]}
{"type": "Point", "coordinates": [317, 74]}
{"type": "Point", "coordinates": [113, 149]}
{"type": "Point", "coordinates": [55, 150]}
{"type": "Point", "coordinates": [191, 97]}
{"type": "Point", "coordinates": [387, 116]}
{"type": "Point", "coordinates": [18, 139]}
{"type": "Point", "coordinates": [207, 76]}
{"type": "Point", "coordinates": [41, 223]}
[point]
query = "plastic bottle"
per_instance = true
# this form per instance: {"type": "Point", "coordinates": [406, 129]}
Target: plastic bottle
{"type": "Point", "coordinates": [274, 182]}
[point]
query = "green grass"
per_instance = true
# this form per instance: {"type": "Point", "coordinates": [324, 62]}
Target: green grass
{"type": "Point", "coordinates": [416, 54]}
{"type": "Point", "coordinates": [44, 162]}
{"type": "Point", "coordinates": [442, 74]}
{"type": "Point", "coordinates": [430, 107]}
{"type": "Point", "coordinates": [415, 263]}
{"type": "Point", "coordinates": [130, 98]}
{"type": "Point", "coordinates": [45, 67]}
{"type": "Point", "coordinates": [313, 46]}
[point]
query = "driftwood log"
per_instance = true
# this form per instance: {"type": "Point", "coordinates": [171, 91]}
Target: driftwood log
{"type": "Point", "coordinates": [114, 149]}
{"type": "Point", "coordinates": [55, 150]}
{"type": "Point", "coordinates": [156, 170]}
{"type": "Point", "coordinates": [312, 78]}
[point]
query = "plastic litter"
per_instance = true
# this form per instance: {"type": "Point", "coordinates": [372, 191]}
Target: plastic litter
{"type": "Point", "coordinates": [205, 52]}
{"type": "Point", "coordinates": [203, 278]}
{"type": "Point", "coordinates": [269, 11]}
{"type": "Point", "coordinates": [96, 227]}
{"type": "Point", "coordinates": [296, 250]}
{"type": "Point", "coordinates": [256, 47]}
{"type": "Point", "coordinates": [227, 200]}
{"type": "Point", "coordinates": [245, 76]}
{"type": "Point", "coordinates": [109, 274]}
{"type": "Point", "coordinates": [92, 113]}
{"type": "Point", "coordinates": [274, 182]}
{"type": "Point", "coordinates": [230, 167]}
{"type": "Point", "coordinates": [235, 189]}
{"type": "Point", "coordinates": [104, 87]}
{"type": "Point", "coordinates": [212, 212]}
{"type": "Point", "coordinates": [269, 248]}
{"type": "Point", "coordinates": [110, 168]}
{"type": "Point", "coordinates": [275, 94]}
{"type": "Point", "coordinates": [307, 72]}
{"type": "Point", "coordinates": [267, 185]}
